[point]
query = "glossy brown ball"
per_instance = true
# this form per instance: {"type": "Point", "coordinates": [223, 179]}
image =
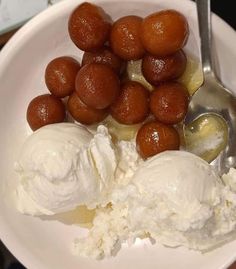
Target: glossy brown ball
{"type": "Point", "coordinates": [132, 105]}
{"type": "Point", "coordinates": [89, 27]}
{"type": "Point", "coordinates": [125, 38]}
{"type": "Point", "coordinates": [60, 76]}
{"type": "Point", "coordinates": [84, 114]}
{"type": "Point", "coordinates": [103, 56]}
{"type": "Point", "coordinates": [97, 85]}
{"type": "Point", "coordinates": [155, 137]}
{"type": "Point", "coordinates": [45, 109]}
{"type": "Point", "coordinates": [169, 102]}
{"type": "Point", "coordinates": [164, 32]}
{"type": "Point", "coordinates": [158, 69]}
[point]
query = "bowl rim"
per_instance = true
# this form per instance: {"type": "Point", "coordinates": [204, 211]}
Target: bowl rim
{"type": "Point", "coordinates": [24, 255]}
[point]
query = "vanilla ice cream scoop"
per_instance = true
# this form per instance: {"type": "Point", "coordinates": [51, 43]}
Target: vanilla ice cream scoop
{"type": "Point", "coordinates": [62, 166]}
{"type": "Point", "coordinates": [180, 200]}
{"type": "Point", "coordinates": [178, 184]}
{"type": "Point", "coordinates": [175, 198]}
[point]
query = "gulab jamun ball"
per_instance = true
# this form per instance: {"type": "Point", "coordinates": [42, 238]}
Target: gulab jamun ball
{"type": "Point", "coordinates": [158, 69]}
{"type": "Point", "coordinates": [45, 109]}
{"type": "Point", "coordinates": [125, 38]}
{"type": "Point", "coordinates": [164, 32]}
{"type": "Point", "coordinates": [60, 76]}
{"type": "Point", "coordinates": [84, 114]}
{"type": "Point", "coordinates": [89, 27]}
{"type": "Point", "coordinates": [97, 85]}
{"type": "Point", "coordinates": [155, 137]}
{"type": "Point", "coordinates": [103, 56]}
{"type": "Point", "coordinates": [132, 105]}
{"type": "Point", "coordinates": [169, 102]}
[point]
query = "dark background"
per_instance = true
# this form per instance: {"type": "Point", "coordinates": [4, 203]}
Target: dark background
{"type": "Point", "coordinates": [223, 8]}
{"type": "Point", "coordinates": [226, 10]}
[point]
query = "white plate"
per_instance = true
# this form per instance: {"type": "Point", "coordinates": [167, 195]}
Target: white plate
{"type": "Point", "coordinates": [45, 244]}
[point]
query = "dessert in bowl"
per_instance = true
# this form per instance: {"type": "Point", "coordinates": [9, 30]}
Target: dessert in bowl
{"type": "Point", "coordinates": [46, 238]}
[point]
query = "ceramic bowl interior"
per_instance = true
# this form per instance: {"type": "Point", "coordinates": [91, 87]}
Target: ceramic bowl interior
{"type": "Point", "coordinates": [45, 243]}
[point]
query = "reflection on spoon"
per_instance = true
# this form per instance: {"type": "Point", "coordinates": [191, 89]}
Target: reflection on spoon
{"type": "Point", "coordinates": [206, 136]}
{"type": "Point", "coordinates": [192, 77]}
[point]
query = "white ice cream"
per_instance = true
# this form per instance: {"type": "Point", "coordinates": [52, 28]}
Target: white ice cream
{"type": "Point", "coordinates": [176, 198]}
{"type": "Point", "coordinates": [179, 187]}
{"type": "Point", "coordinates": [62, 166]}
{"type": "Point", "coordinates": [128, 162]}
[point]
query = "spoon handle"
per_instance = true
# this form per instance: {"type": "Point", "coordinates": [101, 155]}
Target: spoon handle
{"type": "Point", "coordinates": [204, 24]}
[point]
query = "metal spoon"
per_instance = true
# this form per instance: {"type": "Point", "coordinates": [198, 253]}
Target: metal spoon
{"type": "Point", "coordinates": [212, 96]}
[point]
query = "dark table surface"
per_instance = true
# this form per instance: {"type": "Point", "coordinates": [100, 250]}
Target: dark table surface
{"type": "Point", "coordinates": [224, 9]}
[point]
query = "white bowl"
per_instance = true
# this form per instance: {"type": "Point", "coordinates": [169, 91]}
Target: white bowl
{"type": "Point", "coordinates": [45, 244]}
